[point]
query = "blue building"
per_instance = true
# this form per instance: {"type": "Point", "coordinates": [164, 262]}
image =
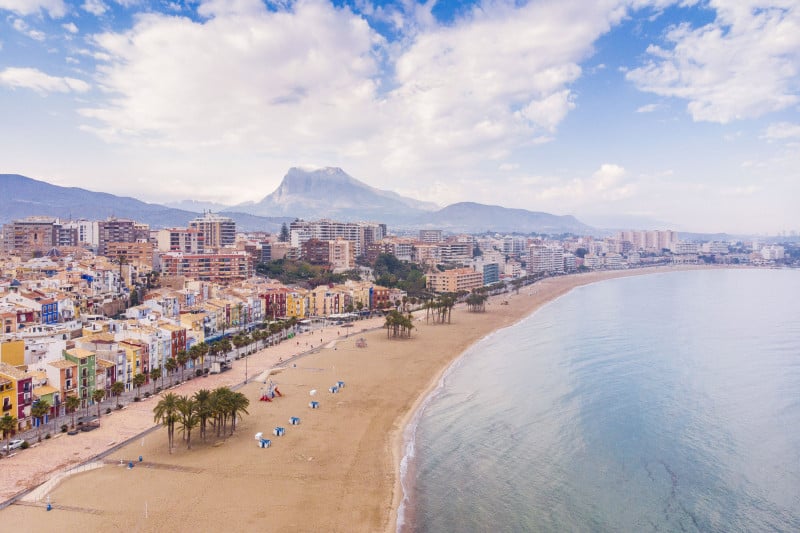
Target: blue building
{"type": "Point", "coordinates": [491, 273]}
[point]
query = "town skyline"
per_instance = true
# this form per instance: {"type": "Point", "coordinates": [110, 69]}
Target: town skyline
{"type": "Point", "coordinates": [685, 112]}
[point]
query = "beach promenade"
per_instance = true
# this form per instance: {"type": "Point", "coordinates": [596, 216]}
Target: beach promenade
{"type": "Point", "coordinates": [335, 471]}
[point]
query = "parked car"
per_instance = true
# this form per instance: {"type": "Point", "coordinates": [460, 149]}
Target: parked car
{"type": "Point", "coordinates": [12, 445]}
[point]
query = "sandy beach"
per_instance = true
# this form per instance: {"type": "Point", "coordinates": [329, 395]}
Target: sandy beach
{"type": "Point", "coordinates": [338, 470]}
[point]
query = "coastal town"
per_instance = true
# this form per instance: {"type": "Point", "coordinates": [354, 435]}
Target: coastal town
{"type": "Point", "coordinates": [99, 313]}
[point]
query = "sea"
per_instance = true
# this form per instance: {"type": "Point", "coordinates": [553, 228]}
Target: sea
{"type": "Point", "coordinates": [661, 402]}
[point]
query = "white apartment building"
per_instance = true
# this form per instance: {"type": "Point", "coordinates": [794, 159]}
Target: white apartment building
{"type": "Point", "coordinates": [542, 258]}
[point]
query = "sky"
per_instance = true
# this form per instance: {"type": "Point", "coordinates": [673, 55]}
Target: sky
{"type": "Point", "coordinates": [681, 114]}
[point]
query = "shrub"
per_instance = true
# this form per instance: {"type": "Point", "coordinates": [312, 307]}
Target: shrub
{"type": "Point", "coordinates": [137, 399]}
{"type": "Point", "coordinates": [47, 436]}
{"type": "Point", "coordinates": [64, 428]}
{"type": "Point", "coordinates": [25, 445]}
{"type": "Point", "coordinates": [198, 372]}
{"type": "Point", "coordinates": [205, 371]}
{"type": "Point", "coordinates": [158, 389]}
{"type": "Point", "coordinates": [147, 394]}
{"type": "Point", "coordinates": [108, 410]}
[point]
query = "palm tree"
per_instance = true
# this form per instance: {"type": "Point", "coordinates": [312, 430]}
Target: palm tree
{"type": "Point", "coordinates": [188, 417]}
{"type": "Point", "coordinates": [225, 347]}
{"type": "Point", "coordinates": [238, 404]}
{"type": "Point", "coordinates": [204, 409]}
{"type": "Point", "coordinates": [72, 403]}
{"type": "Point", "coordinates": [220, 404]}
{"type": "Point", "coordinates": [8, 424]}
{"type": "Point", "coordinates": [97, 397]}
{"type": "Point", "coordinates": [214, 349]}
{"type": "Point", "coordinates": [154, 375]}
{"type": "Point", "coordinates": [194, 354]}
{"type": "Point", "coordinates": [165, 412]}
{"type": "Point", "coordinates": [117, 388]}
{"type": "Point", "coordinates": [138, 381]}
{"type": "Point", "coordinates": [171, 365]}
{"type": "Point", "coordinates": [38, 411]}
{"type": "Point", "coordinates": [182, 359]}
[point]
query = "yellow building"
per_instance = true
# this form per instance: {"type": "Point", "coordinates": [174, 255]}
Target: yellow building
{"type": "Point", "coordinates": [457, 279]}
{"type": "Point", "coordinates": [297, 304]}
{"type": "Point", "coordinates": [13, 352]}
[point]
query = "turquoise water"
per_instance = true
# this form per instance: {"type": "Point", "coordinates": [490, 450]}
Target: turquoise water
{"type": "Point", "coordinates": [666, 402]}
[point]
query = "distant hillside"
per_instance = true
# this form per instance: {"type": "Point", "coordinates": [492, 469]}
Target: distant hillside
{"type": "Point", "coordinates": [470, 217]}
{"type": "Point", "coordinates": [324, 193]}
{"type": "Point", "coordinates": [21, 197]}
{"type": "Point", "coordinates": [332, 193]}
{"type": "Point", "coordinates": [196, 206]}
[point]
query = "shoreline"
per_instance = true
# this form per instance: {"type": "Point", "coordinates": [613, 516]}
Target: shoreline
{"type": "Point", "coordinates": [401, 438]}
{"type": "Point", "coordinates": [319, 482]}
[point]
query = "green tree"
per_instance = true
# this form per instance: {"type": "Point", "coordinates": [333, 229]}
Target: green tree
{"type": "Point", "coordinates": [138, 381]}
{"type": "Point", "coordinates": [204, 409]}
{"type": "Point", "coordinates": [165, 413]}
{"type": "Point", "coordinates": [72, 404]}
{"type": "Point", "coordinates": [8, 424]}
{"type": "Point", "coordinates": [182, 358]}
{"type": "Point", "coordinates": [238, 404]}
{"type": "Point", "coordinates": [154, 375]}
{"type": "Point", "coordinates": [171, 365]}
{"type": "Point", "coordinates": [97, 397]}
{"type": "Point", "coordinates": [38, 411]}
{"type": "Point", "coordinates": [476, 302]}
{"type": "Point", "coordinates": [187, 417]}
{"type": "Point", "coordinates": [117, 389]}
{"type": "Point", "coordinates": [284, 236]}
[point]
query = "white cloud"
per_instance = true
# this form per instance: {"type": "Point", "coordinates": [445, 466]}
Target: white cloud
{"type": "Point", "coordinates": [269, 82]}
{"type": "Point", "coordinates": [782, 130]}
{"type": "Point", "coordinates": [505, 167]}
{"type": "Point", "coordinates": [22, 27]}
{"type": "Point", "coordinates": [743, 65]}
{"type": "Point", "coordinates": [36, 80]}
{"type": "Point", "coordinates": [215, 8]}
{"type": "Point", "coordinates": [70, 27]}
{"type": "Point", "coordinates": [607, 176]}
{"type": "Point", "coordinates": [95, 7]}
{"type": "Point", "coordinates": [648, 108]}
{"type": "Point", "coordinates": [607, 183]}
{"type": "Point", "coordinates": [320, 84]}
{"type": "Point", "coordinates": [54, 8]}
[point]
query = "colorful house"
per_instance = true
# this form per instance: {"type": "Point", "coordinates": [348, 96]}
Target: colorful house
{"type": "Point", "coordinates": [16, 393]}
{"type": "Point", "coordinates": [87, 372]}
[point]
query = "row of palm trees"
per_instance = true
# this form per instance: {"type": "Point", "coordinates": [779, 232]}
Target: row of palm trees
{"type": "Point", "coordinates": [265, 333]}
{"type": "Point", "coordinates": [218, 408]}
{"type": "Point", "coordinates": [398, 324]}
{"type": "Point", "coordinates": [216, 349]}
{"type": "Point", "coordinates": [440, 308]}
{"type": "Point", "coordinates": [41, 408]}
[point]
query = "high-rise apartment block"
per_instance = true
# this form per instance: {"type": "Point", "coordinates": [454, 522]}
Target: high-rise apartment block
{"type": "Point", "coordinates": [119, 230]}
{"type": "Point", "coordinates": [218, 231]}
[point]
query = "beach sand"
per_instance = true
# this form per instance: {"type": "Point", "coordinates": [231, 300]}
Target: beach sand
{"type": "Point", "coordinates": [338, 470]}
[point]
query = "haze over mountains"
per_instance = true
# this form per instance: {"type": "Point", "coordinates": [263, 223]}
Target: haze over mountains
{"type": "Point", "coordinates": [308, 194]}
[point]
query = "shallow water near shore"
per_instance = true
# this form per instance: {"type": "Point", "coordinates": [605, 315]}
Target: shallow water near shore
{"type": "Point", "coordinates": [666, 402]}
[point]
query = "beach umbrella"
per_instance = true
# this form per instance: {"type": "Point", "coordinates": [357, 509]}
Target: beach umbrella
{"type": "Point", "coordinates": [313, 392]}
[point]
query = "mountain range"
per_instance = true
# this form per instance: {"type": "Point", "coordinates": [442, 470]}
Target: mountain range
{"type": "Point", "coordinates": [309, 194]}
